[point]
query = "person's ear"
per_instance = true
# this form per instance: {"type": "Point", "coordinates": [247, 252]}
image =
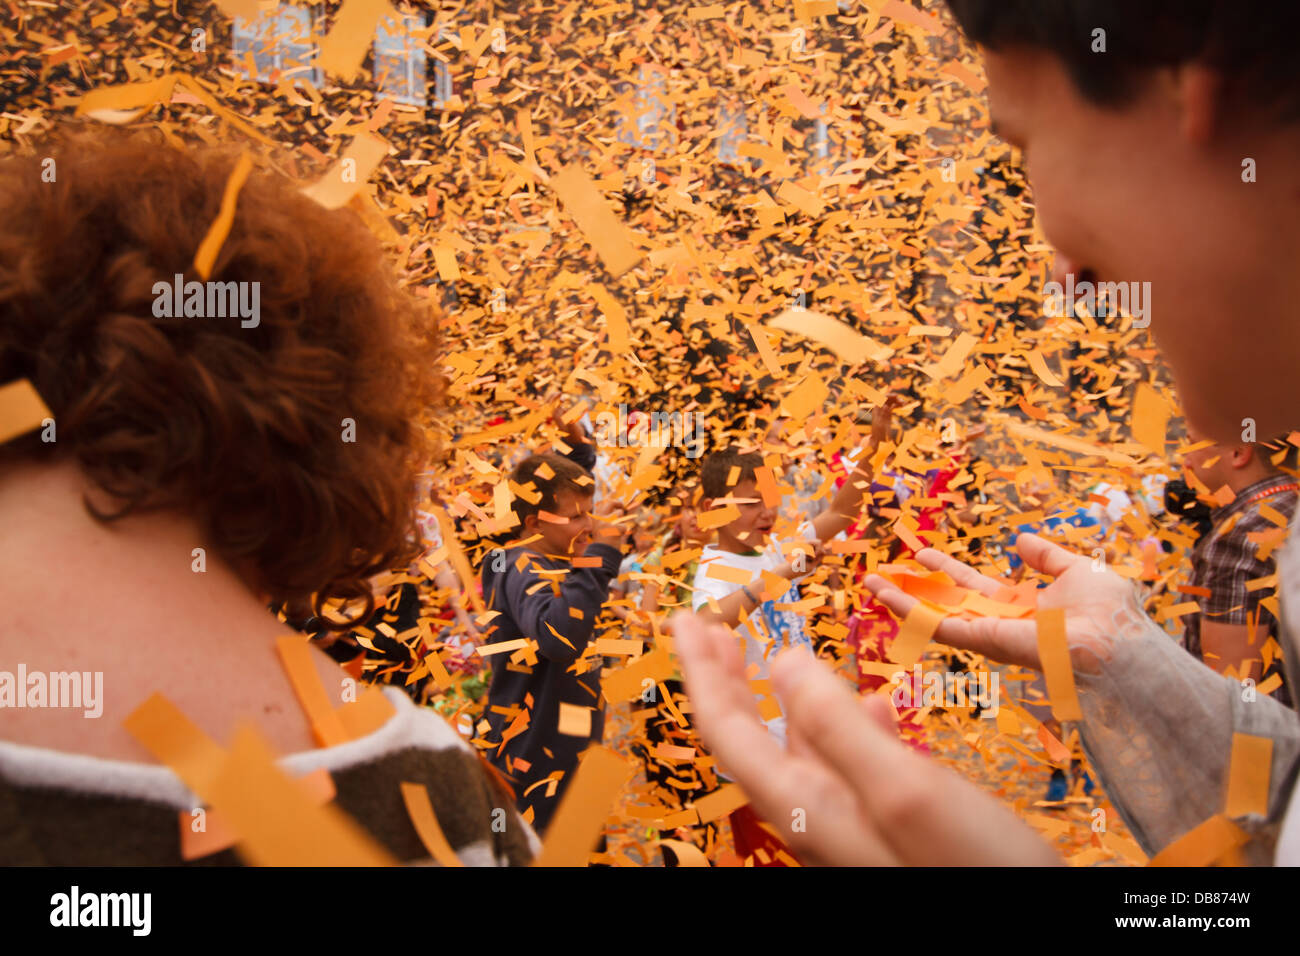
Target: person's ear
{"type": "Point", "coordinates": [1199, 94]}
{"type": "Point", "coordinates": [1242, 456]}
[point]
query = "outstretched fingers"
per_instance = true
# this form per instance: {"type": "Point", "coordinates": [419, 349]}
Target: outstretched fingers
{"type": "Point", "coordinates": [962, 573]}
{"type": "Point", "coordinates": [925, 814]}
{"type": "Point", "coordinates": [1043, 555]}
{"type": "Point", "coordinates": [1009, 640]}
{"type": "Point", "coordinates": [805, 802]}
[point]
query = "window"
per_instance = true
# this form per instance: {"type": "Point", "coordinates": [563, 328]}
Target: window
{"type": "Point", "coordinates": [279, 42]}
{"type": "Point", "coordinates": [400, 61]}
{"type": "Point", "coordinates": [823, 150]}
{"type": "Point", "coordinates": [442, 91]}
{"type": "Point", "coordinates": [652, 114]}
{"type": "Point", "coordinates": [732, 130]}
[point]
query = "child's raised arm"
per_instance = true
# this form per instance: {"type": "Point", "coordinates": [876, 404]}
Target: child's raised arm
{"type": "Point", "coordinates": [848, 500]}
{"type": "Point", "coordinates": [545, 616]}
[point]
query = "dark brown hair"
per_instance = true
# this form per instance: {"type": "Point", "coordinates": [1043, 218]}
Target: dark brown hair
{"type": "Point", "coordinates": [1249, 43]}
{"type": "Point", "coordinates": [241, 428]}
{"type": "Point", "coordinates": [565, 475]}
{"type": "Point", "coordinates": [717, 468]}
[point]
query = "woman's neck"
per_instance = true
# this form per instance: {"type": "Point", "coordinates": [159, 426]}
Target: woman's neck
{"type": "Point", "coordinates": [135, 601]}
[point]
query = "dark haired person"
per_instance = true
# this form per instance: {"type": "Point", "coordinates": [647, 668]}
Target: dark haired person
{"type": "Point", "coordinates": [542, 597]}
{"type": "Point", "coordinates": [202, 469]}
{"type": "Point", "coordinates": [1234, 627]}
{"type": "Point", "coordinates": [1161, 140]}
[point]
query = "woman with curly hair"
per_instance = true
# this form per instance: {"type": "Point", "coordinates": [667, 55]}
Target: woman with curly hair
{"type": "Point", "coordinates": [201, 468]}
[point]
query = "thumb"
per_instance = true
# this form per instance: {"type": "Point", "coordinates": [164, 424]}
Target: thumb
{"type": "Point", "coordinates": [1042, 555]}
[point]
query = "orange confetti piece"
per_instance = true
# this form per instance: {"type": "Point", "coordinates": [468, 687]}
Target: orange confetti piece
{"type": "Point", "coordinates": [717, 517]}
{"type": "Point", "coordinates": [217, 835]}
{"type": "Point", "coordinates": [575, 721]}
{"type": "Point", "coordinates": [723, 801]}
{"type": "Point", "coordinates": [277, 823]}
{"type": "Point", "coordinates": [345, 46]}
{"type": "Point", "coordinates": [1249, 771]}
{"type": "Point", "coordinates": [906, 13]}
{"type": "Point", "coordinates": [615, 317]}
{"type": "Point", "coordinates": [21, 410]}
{"type": "Point", "coordinates": [1150, 418]}
{"type": "Point", "coordinates": [445, 259]}
{"type": "Point", "coordinates": [367, 713]}
{"type": "Point", "coordinates": [1058, 671]}
{"type": "Point", "coordinates": [725, 572]}
{"type": "Point", "coordinates": [609, 237]}
{"type": "Point", "coordinates": [584, 808]}
{"type": "Point", "coordinates": [295, 655]}
{"type": "Point", "coordinates": [629, 682]}
{"type": "Point", "coordinates": [851, 346]}
{"type": "Point", "coordinates": [1039, 366]}
{"type": "Point", "coordinates": [353, 170]}
{"type": "Point", "coordinates": [808, 396]}
{"type": "Point", "coordinates": [1202, 845]}
{"type": "Point", "coordinates": [916, 631]}
{"type": "Point", "coordinates": [209, 248]}
{"type": "Point", "coordinates": [420, 809]}
{"type": "Point", "coordinates": [176, 741]}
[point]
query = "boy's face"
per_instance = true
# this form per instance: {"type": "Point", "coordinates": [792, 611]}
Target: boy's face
{"type": "Point", "coordinates": [570, 537]}
{"type": "Point", "coordinates": [751, 530]}
{"type": "Point", "coordinates": [1152, 191]}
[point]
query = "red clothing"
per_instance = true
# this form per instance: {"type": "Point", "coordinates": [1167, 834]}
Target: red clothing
{"type": "Point", "coordinates": [749, 836]}
{"type": "Point", "coordinates": [872, 630]}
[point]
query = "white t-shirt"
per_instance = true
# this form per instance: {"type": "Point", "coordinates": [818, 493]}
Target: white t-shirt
{"type": "Point", "coordinates": [779, 629]}
{"type": "Point", "coordinates": [1288, 566]}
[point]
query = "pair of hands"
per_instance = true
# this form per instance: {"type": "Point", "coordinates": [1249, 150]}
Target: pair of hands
{"type": "Point", "coordinates": [866, 799]}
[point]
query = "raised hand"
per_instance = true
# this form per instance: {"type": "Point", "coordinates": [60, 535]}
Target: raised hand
{"type": "Point", "coordinates": [1100, 606]}
{"type": "Point", "coordinates": [860, 797]}
{"type": "Point", "coordinates": [608, 530]}
{"type": "Point", "coordinates": [882, 419]}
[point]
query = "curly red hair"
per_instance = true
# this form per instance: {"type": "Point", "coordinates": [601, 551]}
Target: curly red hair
{"type": "Point", "coordinates": [240, 428]}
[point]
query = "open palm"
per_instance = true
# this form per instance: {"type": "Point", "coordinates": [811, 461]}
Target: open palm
{"type": "Point", "coordinates": [1100, 606]}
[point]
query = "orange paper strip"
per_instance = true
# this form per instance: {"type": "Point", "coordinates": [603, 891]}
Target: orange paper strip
{"type": "Point", "coordinates": [21, 410]}
{"type": "Point", "coordinates": [1203, 845]}
{"type": "Point", "coordinates": [425, 821]}
{"type": "Point", "coordinates": [608, 236]}
{"type": "Point", "coordinates": [277, 823]}
{"type": "Point", "coordinates": [1054, 653]}
{"type": "Point", "coordinates": [353, 170]}
{"type": "Point", "coordinates": [914, 634]}
{"type": "Point", "coordinates": [581, 816]}
{"type": "Point", "coordinates": [345, 46]}
{"type": "Point", "coordinates": [1248, 775]}
{"type": "Point", "coordinates": [326, 725]}
{"type": "Point", "coordinates": [720, 802]}
{"type": "Point", "coordinates": [220, 228]}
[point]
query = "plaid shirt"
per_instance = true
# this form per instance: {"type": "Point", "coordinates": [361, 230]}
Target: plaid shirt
{"type": "Point", "coordinates": [1226, 559]}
